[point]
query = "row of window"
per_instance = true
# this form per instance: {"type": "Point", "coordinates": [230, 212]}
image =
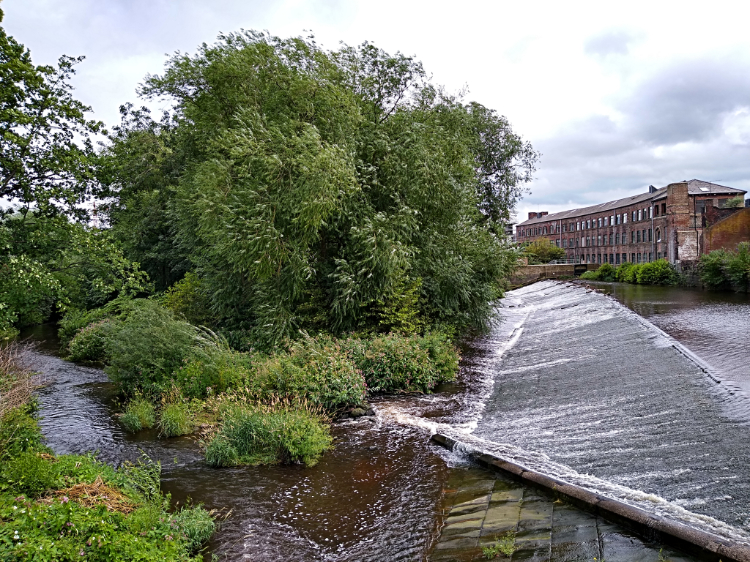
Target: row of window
{"type": "Point", "coordinates": [612, 239]}
{"type": "Point", "coordinates": [617, 259]}
{"type": "Point", "coordinates": [601, 222]}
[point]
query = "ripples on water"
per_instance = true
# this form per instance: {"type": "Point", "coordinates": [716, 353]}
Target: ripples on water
{"type": "Point", "coordinates": [376, 496]}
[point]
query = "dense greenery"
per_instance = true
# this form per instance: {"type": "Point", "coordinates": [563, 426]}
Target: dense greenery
{"type": "Point", "coordinates": [659, 272]}
{"type": "Point", "coordinates": [542, 251]}
{"type": "Point", "coordinates": [723, 269]}
{"type": "Point", "coordinates": [70, 506]}
{"type": "Point", "coordinates": [316, 190]}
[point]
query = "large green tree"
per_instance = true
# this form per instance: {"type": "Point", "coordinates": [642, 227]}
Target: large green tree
{"type": "Point", "coordinates": [314, 189]}
{"type": "Point", "coordinates": [49, 255]}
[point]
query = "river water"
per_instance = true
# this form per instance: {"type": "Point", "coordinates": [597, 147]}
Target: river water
{"type": "Point", "coordinates": [377, 495]}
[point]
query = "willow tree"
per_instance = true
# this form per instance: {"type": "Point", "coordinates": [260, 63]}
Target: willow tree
{"type": "Point", "coordinates": [323, 190]}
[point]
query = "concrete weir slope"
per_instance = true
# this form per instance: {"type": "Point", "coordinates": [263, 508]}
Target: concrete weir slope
{"type": "Point", "coordinates": [596, 388]}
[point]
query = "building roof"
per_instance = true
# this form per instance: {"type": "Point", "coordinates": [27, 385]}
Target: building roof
{"type": "Point", "coordinates": [695, 187]}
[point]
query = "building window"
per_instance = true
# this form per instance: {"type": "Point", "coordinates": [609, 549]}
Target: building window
{"type": "Point", "coordinates": [617, 259]}
{"type": "Point", "coordinates": [656, 210]}
{"type": "Point", "coordinates": [632, 236]}
{"type": "Point", "coordinates": [598, 258]}
{"type": "Point", "coordinates": [639, 214]}
{"type": "Point", "coordinates": [650, 212]}
{"type": "Point", "coordinates": [638, 236]}
{"type": "Point", "coordinates": [650, 237]}
{"type": "Point", "coordinates": [658, 254]}
{"type": "Point", "coordinates": [643, 236]}
{"type": "Point", "coordinates": [605, 258]}
{"type": "Point", "coordinates": [663, 208]}
{"type": "Point", "coordinates": [638, 257]}
{"type": "Point", "coordinates": [617, 238]}
{"type": "Point", "coordinates": [587, 258]}
{"type": "Point", "coordinates": [650, 255]}
{"type": "Point", "coordinates": [658, 235]}
{"type": "Point", "coordinates": [632, 258]}
{"type": "Point", "coordinates": [624, 218]}
{"type": "Point", "coordinates": [624, 258]}
{"type": "Point", "coordinates": [599, 240]}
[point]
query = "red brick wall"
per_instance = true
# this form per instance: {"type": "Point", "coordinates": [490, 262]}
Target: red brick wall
{"type": "Point", "coordinates": [728, 232]}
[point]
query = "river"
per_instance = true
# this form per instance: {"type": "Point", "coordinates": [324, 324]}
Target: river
{"type": "Point", "coordinates": [377, 495]}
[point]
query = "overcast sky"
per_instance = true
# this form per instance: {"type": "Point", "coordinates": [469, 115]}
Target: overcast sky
{"type": "Point", "coordinates": [616, 96]}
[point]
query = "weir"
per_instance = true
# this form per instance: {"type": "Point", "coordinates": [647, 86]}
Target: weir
{"type": "Point", "coordinates": [592, 394]}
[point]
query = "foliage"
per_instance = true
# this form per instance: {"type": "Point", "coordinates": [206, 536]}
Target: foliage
{"type": "Point", "coordinates": [313, 190]}
{"type": "Point", "coordinates": [268, 435]}
{"type": "Point", "coordinates": [46, 154]}
{"type": "Point", "coordinates": [195, 524]}
{"type": "Point", "coordinates": [723, 269]}
{"type": "Point", "coordinates": [147, 346]}
{"type": "Point", "coordinates": [188, 298]}
{"type": "Point", "coordinates": [213, 370]}
{"type": "Point", "coordinates": [317, 370]}
{"type": "Point", "coordinates": [628, 272]}
{"type": "Point", "coordinates": [391, 362]}
{"type": "Point", "coordinates": [175, 419]}
{"type": "Point", "coordinates": [29, 473]}
{"type": "Point", "coordinates": [90, 342]}
{"type": "Point", "coordinates": [659, 272]}
{"type": "Point", "coordinates": [140, 413]}
{"type": "Point", "coordinates": [735, 202]}
{"type": "Point", "coordinates": [542, 251]}
{"type": "Point", "coordinates": [505, 545]}
{"type": "Point", "coordinates": [605, 272]}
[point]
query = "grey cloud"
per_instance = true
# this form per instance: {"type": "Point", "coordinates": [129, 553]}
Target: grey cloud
{"type": "Point", "coordinates": [686, 102]}
{"type": "Point", "coordinates": [612, 42]}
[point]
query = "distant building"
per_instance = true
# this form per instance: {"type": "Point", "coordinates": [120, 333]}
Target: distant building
{"type": "Point", "coordinates": [664, 223]}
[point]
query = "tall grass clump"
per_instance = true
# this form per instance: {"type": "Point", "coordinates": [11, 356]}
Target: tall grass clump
{"type": "Point", "coordinates": [140, 413]}
{"type": "Point", "coordinates": [213, 369]}
{"type": "Point", "coordinates": [255, 434]}
{"type": "Point", "coordinates": [175, 419]}
{"type": "Point", "coordinates": [391, 362]}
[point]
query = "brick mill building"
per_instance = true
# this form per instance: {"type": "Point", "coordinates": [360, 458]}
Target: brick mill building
{"type": "Point", "coordinates": [673, 222]}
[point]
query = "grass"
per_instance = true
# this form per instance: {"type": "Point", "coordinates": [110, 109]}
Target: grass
{"type": "Point", "coordinates": [139, 414]}
{"type": "Point", "coordinates": [505, 545]}
{"type": "Point", "coordinates": [255, 434]}
{"type": "Point", "coordinates": [175, 419]}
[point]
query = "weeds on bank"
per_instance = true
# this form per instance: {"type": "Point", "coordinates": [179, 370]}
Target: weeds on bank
{"type": "Point", "coordinates": [505, 545]}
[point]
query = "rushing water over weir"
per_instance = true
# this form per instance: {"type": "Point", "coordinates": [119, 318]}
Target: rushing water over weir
{"type": "Point", "coordinates": [569, 383]}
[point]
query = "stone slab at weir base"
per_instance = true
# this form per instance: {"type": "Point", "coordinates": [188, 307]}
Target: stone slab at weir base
{"type": "Point", "coordinates": [699, 543]}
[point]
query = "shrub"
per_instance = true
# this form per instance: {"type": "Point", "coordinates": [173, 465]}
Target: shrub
{"type": "Point", "coordinates": [175, 419]}
{"type": "Point", "coordinates": [264, 435]}
{"type": "Point", "coordinates": [196, 524]}
{"type": "Point", "coordinates": [146, 347]}
{"type": "Point", "coordinates": [659, 272]}
{"type": "Point", "coordinates": [315, 369]}
{"type": "Point", "coordinates": [19, 432]}
{"type": "Point", "coordinates": [189, 298]}
{"type": "Point", "coordinates": [737, 268]}
{"type": "Point", "coordinates": [628, 272]}
{"type": "Point", "coordinates": [213, 370]}
{"type": "Point", "coordinates": [139, 414]}
{"type": "Point", "coordinates": [90, 342]}
{"type": "Point", "coordinates": [391, 362]}
{"type": "Point", "coordinates": [29, 473]}
{"type": "Point", "coordinates": [542, 251]}
{"type": "Point", "coordinates": [605, 272]}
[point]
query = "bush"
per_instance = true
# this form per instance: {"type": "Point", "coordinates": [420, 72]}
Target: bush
{"type": "Point", "coordinates": [628, 272]}
{"type": "Point", "coordinates": [189, 298]}
{"type": "Point", "coordinates": [89, 343]}
{"type": "Point", "coordinates": [659, 272]}
{"type": "Point", "coordinates": [542, 251]}
{"type": "Point", "coordinates": [256, 435]}
{"type": "Point", "coordinates": [29, 473]}
{"type": "Point", "coordinates": [139, 414]}
{"type": "Point", "coordinates": [196, 524]}
{"type": "Point", "coordinates": [175, 419]}
{"type": "Point", "coordinates": [391, 362]}
{"type": "Point", "coordinates": [722, 269]}
{"type": "Point", "coordinates": [317, 370]}
{"type": "Point", "coordinates": [147, 347]}
{"type": "Point", "coordinates": [605, 272]}
{"type": "Point", "coordinates": [213, 370]}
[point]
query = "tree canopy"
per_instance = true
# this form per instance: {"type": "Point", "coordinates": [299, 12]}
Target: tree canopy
{"type": "Point", "coordinates": [311, 189]}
